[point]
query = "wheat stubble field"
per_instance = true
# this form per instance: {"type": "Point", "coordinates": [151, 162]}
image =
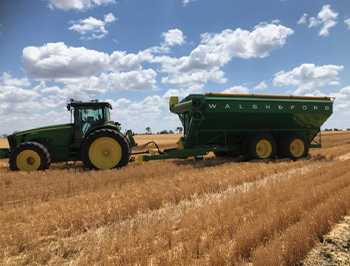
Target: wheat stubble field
{"type": "Point", "coordinates": [179, 212]}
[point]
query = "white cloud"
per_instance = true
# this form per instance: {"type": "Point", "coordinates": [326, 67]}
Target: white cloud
{"type": "Point", "coordinates": [237, 89]}
{"type": "Point", "coordinates": [192, 78]}
{"type": "Point", "coordinates": [185, 2]}
{"type": "Point", "coordinates": [327, 18]}
{"type": "Point", "coordinates": [17, 95]}
{"type": "Point", "coordinates": [109, 18]}
{"type": "Point", "coordinates": [302, 20]}
{"type": "Point", "coordinates": [183, 92]}
{"type": "Point", "coordinates": [77, 4]}
{"type": "Point", "coordinates": [120, 60]}
{"type": "Point", "coordinates": [140, 80]}
{"type": "Point", "coordinates": [261, 86]}
{"type": "Point", "coordinates": [56, 60]}
{"type": "Point", "coordinates": [347, 22]}
{"type": "Point", "coordinates": [92, 28]}
{"type": "Point", "coordinates": [8, 80]}
{"type": "Point", "coordinates": [43, 89]}
{"type": "Point", "coordinates": [173, 37]}
{"type": "Point", "coordinates": [342, 100]}
{"type": "Point", "coordinates": [216, 50]}
{"type": "Point", "coordinates": [308, 76]}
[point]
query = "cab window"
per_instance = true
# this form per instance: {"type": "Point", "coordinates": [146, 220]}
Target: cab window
{"type": "Point", "coordinates": [86, 118]}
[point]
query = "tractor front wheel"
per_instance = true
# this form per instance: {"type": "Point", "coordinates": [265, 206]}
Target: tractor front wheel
{"type": "Point", "coordinates": [29, 156]}
{"type": "Point", "coordinates": [105, 149]}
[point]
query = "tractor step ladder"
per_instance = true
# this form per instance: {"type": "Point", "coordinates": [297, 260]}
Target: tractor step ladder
{"type": "Point", "coordinates": [73, 153]}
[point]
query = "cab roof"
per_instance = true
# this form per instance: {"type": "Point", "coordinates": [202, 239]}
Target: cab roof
{"type": "Point", "coordinates": [94, 103]}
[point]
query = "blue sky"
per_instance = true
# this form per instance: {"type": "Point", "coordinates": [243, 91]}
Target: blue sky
{"type": "Point", "coordinates": [137, 53]}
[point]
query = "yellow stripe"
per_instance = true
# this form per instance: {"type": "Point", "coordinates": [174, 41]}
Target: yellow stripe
{"type": "Point", "coordinates": [40, 130]}
{"type": "Point", "coordinates": [267, 96]}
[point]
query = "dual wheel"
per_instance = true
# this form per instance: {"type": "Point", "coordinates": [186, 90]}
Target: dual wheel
{"type": "Point", "coordinates": [263, 146]}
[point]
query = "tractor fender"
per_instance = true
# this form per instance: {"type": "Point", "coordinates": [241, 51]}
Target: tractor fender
{"type": "Point", "coordinates": [93, 129]}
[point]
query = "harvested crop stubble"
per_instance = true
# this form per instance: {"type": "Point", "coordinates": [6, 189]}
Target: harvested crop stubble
{"type": "Point", "coordinates": [213, 212]}
{"type": "Point", "coordinates": [231, 230]}
{"type": "Point", "coordinates": [66, 216]}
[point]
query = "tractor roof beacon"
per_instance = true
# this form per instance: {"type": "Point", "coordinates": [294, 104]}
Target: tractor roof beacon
{"type": "Point", "coordinates": [91, 137]}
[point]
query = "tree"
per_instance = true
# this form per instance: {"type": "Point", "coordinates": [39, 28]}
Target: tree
{"type": "Point", "coordinates": [148, 129]}
{"type": "Point", "coordinates": [179, 129]}
{"type": "Point", "coordinates": [171, 132]}
{"type": "Point", "coordinates": [164, 132]}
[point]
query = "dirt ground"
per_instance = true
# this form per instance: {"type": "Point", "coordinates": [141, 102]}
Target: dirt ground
{"type": "Point", "coordinates": [334, 249]}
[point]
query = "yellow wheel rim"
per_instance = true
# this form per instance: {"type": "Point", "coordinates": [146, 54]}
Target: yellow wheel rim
{"type": "Point", "coordinates": [263, 149]}
{"type": "Point", "coordinates": [28, 160]}
{"type": "Point", "coordinates": [297, 148]}
{"type": "Point", "coordinates": [105, 153]}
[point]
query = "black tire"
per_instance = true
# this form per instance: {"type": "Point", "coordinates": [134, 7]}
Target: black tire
{"type": "Point", "coordinates": [36, 147]}
{"type": "Point", "coordinates": [250, 146]}
{"type": "Point", "coordinates": [109, 133]}
{"type": "Point", "coordinates": [286, 148]}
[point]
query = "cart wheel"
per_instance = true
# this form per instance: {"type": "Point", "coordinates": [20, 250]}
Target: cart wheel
{"type": "Point", "coordinates": [29, 156]}
{"type": "Point", "coordinates": [259, 146]}
{"type": "Point", "coordinates": [105, 149]}
{"type": "Point", "coordinates": [295, 146]}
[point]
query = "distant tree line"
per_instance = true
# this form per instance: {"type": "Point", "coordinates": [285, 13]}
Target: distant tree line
{"type": "Point", "coordinates": [336, 129]}
{"type": "Point", "coordinates": [164, 131]}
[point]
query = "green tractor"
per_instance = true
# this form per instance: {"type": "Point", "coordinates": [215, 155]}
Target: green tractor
{"type": "Point", "coordinates": [92, 139]}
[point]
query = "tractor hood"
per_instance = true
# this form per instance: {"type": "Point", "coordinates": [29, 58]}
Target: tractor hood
{"type": "Point", "coordinates": [41, 129]}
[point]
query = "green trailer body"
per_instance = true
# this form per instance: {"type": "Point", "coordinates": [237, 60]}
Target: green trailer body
{"type": "Point", "coordinates": [222, 122]}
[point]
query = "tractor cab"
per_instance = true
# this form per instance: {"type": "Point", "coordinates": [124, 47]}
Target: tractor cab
{"type": "Point", "coordinates": [88, 115]}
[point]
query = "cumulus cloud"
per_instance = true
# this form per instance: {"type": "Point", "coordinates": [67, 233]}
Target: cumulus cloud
{"type": "Point", "coordinates": [261, 86]}
{"type": "Point", "coordinates": [12, 95]}
{"type": "Point", "coordinates": [216, 50]}
{"type": "Point", "coordinates": [77, 4]}
{"type": "Point", "coordinates": [308, 76]}
{"type": "Point", "coordinates": [56, 60]}
{"type": "Point", "coordinates": [121, 60]}
{"type": "Point", "coordinates": [173, 37]}
{"type": "Point", "coordinates": [8, 80]}
{"type": "Point", "coordinates": [92, 28]}
{"type": "Point", "coordinates": [237, 89]}
{"type": "Point", "coordinates": [302, 20]}
{"type": "Point", "coordinates": [326, 18]}
{"type": "Point", "coordinates": [185, 2]}
{"type": "Point", "coordinates": [347, 22]}
{"type": "Point", "coordinates": [342, 100]}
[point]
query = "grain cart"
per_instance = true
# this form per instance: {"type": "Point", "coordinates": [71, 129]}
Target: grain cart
{"type": "Point", "coordinates": [92, 139]}
{"type": "Point", "coordinates": [256, 126]}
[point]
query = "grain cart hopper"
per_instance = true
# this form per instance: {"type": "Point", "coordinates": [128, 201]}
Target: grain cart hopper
{"type": "Point", "coordinates": [92, 139]}
{"type": "Point", "coordinates": [256, 126]}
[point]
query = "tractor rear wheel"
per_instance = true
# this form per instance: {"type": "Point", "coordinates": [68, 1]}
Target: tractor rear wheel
{"type": "Point", "coordinates": [294, 145]}
{"type": "Point", "coordinates": [105, 149]}
{"type": "Point", "coordinates": [29, 156]}
{"type": "Point", "coordinates": [259, 146]}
